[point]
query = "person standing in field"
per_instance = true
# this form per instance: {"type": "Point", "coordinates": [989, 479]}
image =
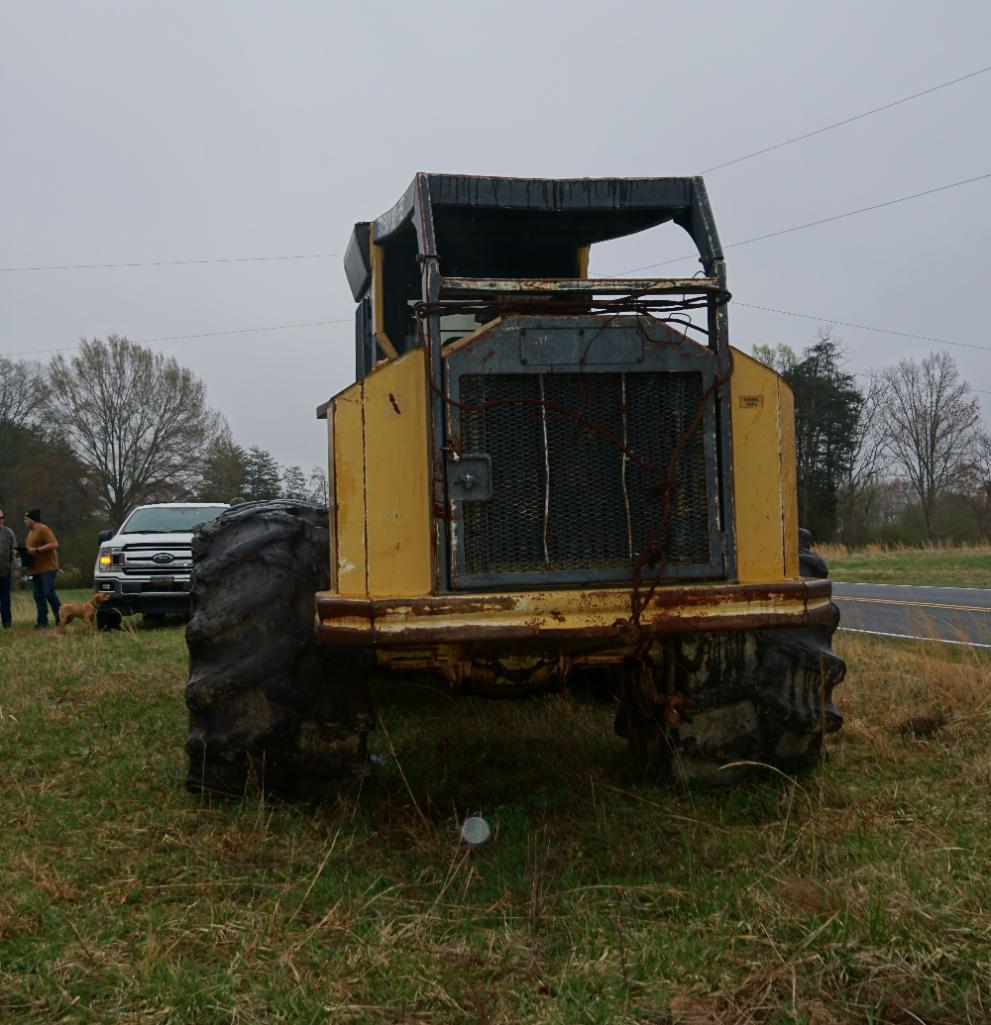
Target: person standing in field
{"type": "Point", "coordinates": [8, 546]}
{"type": "Point", "coordinates": [42, 548]}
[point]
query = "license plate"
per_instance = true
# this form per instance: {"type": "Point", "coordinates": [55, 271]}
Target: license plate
{"type": "Point", "coordinates": [166, 580]}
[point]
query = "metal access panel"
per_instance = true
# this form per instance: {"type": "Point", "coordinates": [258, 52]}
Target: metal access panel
{"type": "Point", "coordinates": [562, 431]}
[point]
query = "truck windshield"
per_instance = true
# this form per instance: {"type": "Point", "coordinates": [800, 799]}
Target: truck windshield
{"type": "Point", "coordinates": [176, 519]}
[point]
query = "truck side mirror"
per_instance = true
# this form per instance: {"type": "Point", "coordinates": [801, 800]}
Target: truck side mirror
{"type": "Point", "coordinates": [104, 535]}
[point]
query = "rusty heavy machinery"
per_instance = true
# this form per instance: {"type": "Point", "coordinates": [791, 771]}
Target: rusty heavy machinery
{"type": "Point", "coordinates": [535, 475]}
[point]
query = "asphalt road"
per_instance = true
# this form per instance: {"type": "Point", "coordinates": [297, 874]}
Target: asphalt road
{"type": "Point", "coordinates": [954, 615]}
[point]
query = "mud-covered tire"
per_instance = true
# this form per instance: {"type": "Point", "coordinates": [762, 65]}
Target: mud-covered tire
{"type": "Point", "coordinates": [810, 563]}
{"type": "Point", "coordinates": [693, 707]}
{"type": "Point", "coordinates": [270, 710]}
{"type": "Point", "coordinates": [718, 704]}
{"type": "Point", "coordinates": [713, 704]}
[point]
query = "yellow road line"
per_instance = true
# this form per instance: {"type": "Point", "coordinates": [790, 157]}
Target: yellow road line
{"type": "Point", "coordinates": [913, 604]}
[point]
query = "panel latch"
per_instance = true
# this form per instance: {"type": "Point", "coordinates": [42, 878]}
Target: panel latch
{"type": "Point", "coordinates": [470, 477]}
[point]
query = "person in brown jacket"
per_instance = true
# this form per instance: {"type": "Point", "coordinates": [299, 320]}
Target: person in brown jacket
{"type": "Point", "coordinates": [42, 550]}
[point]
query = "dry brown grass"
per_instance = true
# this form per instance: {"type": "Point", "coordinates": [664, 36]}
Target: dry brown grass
{"type": "Point", "coordinates": [857, 893]}
{"type": "Point", "coordinates": [837, 550]}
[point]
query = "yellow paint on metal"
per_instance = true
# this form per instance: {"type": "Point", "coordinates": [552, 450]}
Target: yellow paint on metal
{"type": "Point", "coordinates": [789, 478]}
{"type": "Point", "coordinates": [348, 469]}
{"type": "Point", "coordinates": [759, 468]}
{"type": "Point", "coordinates": [583, 254]}
{"type": "Point", "coordinates": [377, 257]}
{"type": "Point", "coordinates": [397, 478]}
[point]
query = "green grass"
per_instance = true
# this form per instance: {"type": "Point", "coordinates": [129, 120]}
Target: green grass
{"type": "Point", "coordinates": [943, 567]}
{"type": "Point", "coordinates": [859, 893]}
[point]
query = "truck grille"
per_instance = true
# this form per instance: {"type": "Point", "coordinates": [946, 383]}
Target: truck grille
{"type": "Point", "coordinates": [565, 495]}
{"type": "Point", "coordinates": [140, 559]}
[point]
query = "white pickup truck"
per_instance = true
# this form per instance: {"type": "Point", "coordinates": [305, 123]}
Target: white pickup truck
{"type": "Point", "coordinates": [147, 563]}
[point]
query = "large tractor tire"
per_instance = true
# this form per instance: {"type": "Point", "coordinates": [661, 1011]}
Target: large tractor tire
{"type": "Point", "coordinates": [269, 709]}
{"type": "Point", "coordinates": [709, 706]}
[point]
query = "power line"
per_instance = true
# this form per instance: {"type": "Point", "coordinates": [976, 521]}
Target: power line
{"type": "Point", "coordinates": [348, 320]}
{"type": "Point", "coordinates": [170, 263]}
{"type": "Point", "coordinates": [814, 224]}
{"type": "Point", "coordinates": [320, 256]}
{"type": "Point", "coordinates": [845, 121]}
{"type": "Point", "coordinates": [863, 327]}
{"type": "Point", "coordinates": [202, 334]}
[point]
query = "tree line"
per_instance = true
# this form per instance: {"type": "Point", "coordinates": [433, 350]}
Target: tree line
{"type": "Point", "coordinates": [116, 425]}
{"type": "Point", "coordinates": [903, 457]}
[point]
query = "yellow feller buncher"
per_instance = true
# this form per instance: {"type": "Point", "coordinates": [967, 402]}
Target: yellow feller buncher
{"type": "Point", "coordinates": [536, 474]}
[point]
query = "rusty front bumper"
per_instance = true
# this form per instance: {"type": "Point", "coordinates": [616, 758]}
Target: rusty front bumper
{"type": "Point", "coordinates": [565, 620]}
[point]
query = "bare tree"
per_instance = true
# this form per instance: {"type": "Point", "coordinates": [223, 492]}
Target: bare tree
{"type": "Point", "coordinates": [138, 421]}
{"type": "Point", "coordinates": [929, 424]}
{"type": "Point", "coordinates": [979, 489]}
{"type": "Point", "coordinates": [318, 488]}
{"type": "Point", "coordinates": [780, 358]}
{"type": "Point", "coordinates": [23, 391]}
{"type": "Point", "coordinates": [860, 492]}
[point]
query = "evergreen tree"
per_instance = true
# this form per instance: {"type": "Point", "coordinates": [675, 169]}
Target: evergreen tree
{"type": "Point", "coordinates": [262, 477]}
{"type": "Point", "coordinates": [827, 415]}
{"type": "Point", "coordinates": [294, 484]}
{"type": "Point", "coordinates": [223, 472]}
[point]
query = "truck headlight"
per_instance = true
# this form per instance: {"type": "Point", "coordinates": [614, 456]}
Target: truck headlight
{"type": "Point", "coordinates": [105, 559]}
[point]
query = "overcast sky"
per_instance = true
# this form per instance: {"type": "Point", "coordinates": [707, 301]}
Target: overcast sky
{"type": "Point", "coordinates": [199, 129]}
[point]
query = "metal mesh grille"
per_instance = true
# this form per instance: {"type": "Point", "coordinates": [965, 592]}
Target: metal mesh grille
{"type": "Point", "coordinates": [565, 496]}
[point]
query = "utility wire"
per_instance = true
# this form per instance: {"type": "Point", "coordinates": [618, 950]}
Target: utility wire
{"type": "Point", "coordinates": [814, 224]}
{"type": "Point", "coordinates": [863, 327]}
{"type": "Point", "coordinates": [742, 242]}
{"type": "Point", "coordinates": [845, 121]}
{"type": "Point", "coordinates": [170, 263]}
{"type": "Point", "coordinates": [202, 334]}
{"type": "Point", "coordinates": [820, 318]}
{"type": "Point", "coordinates": [708, 170]}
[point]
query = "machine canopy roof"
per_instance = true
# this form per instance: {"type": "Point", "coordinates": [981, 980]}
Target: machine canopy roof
{"type": "Point", "coordinates": [522, 227]}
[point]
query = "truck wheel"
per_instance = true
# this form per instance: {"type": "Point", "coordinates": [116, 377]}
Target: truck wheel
{"type": "Point", "coordinates": [270, 710]}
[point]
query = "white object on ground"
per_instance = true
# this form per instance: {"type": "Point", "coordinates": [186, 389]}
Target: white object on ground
{"type": "Point", "coordinates": [475, 831]}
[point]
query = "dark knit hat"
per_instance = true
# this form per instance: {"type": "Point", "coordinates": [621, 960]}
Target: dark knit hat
{"type": "Point", "coordinates": [34, 514]}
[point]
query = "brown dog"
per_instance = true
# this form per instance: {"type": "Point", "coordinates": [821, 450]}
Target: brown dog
{"type": "Point", "coordinates": [84, 610]}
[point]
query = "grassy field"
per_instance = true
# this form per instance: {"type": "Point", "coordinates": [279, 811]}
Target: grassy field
{"type": "Point", "coordinates": [859, 893]}
{"type": "Point", "coordinates": [942, 567]}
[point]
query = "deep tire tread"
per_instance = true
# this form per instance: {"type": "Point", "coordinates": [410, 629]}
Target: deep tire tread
{"type": "Point", "coordinates": [269, 709]}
